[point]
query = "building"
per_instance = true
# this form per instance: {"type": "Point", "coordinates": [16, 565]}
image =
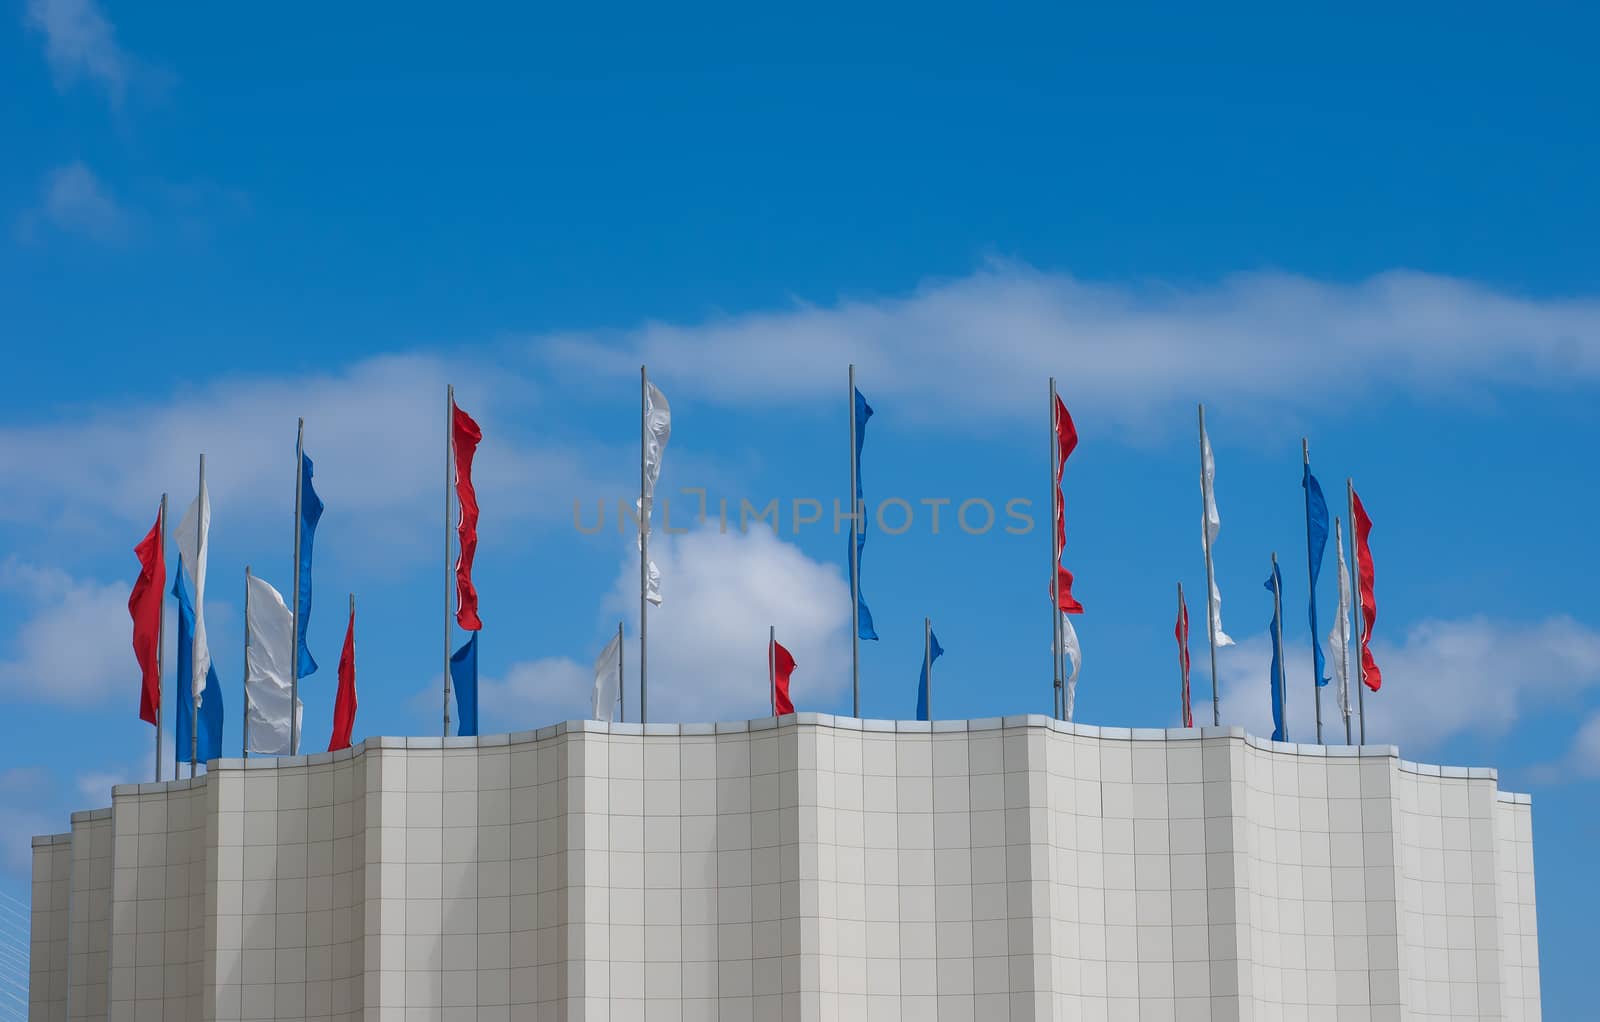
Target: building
{"type": "Point", "coordinates": [807, 868]}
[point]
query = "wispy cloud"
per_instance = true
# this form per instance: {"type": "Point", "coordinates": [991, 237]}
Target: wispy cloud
{"type": "Point", "coordinates": [1121, 350]}
{"type": "Point", "coordinates": [81, 43]}
{"type": "Point", "coordinates": [73, 200]}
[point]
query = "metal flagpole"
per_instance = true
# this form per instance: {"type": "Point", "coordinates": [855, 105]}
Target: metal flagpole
{"type": "Point", "coordinates": [1344, 647]}
{"type": "Point", "coordinates": [244, 700]}
{"type": "Point", "coordinates": [1181, 677]}
{"type": "Point", "coordinates": [294, 633]}
{"type": "Point", "coordinates": [1283, 666]}
{"type": "Point", "coordinates": [855, 564]}
{"type": "Point", "coordinates": [1211, 573]}
{"type": "Point", "coordinates": [449, 480]}
{"type": "Point", "coordinates": [927, 663]}
{"type": "Point", "coordinates": [772, 667]}
{"type": "Point", "coordinates": [161, 628]}
{"type": "Point", "coordinates": [1355, 611]}
{"type": "Point", "coordinates": [622, 679]}
{"type": "Point", "coordinates": [200, 522]}
{"type": "Point", "coordinates": [1056, 652]}
{"type": "Point", "coordinates": [1311, 580]}
{"type": "Point", "coordinates": [644, 544]}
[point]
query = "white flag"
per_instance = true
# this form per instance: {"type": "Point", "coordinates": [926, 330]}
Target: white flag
{"type": "Point", "coordinates": [1339, 637]}
{"type": "Point", "coordinates": [1069, 643]}
{"type": "Point", "coordinates": [1212, 524]}
{"type": "Point", "coordinates": [194, 533]}
{"type": "Point", "coordinates": [658, 427]}
{"type": "Point", "coordinates": [607, 673]}
{"type": "Point", "coordinates": [269, 660]}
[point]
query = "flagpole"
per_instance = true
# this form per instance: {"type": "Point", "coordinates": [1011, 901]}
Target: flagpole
{"type": "Point", "coordinates": [244, 701]}
{"type": "Point", "coordinates": [855, 563]}
{"type": "Point", "coordinates": [161, 628]}
{"type": "Point", "coordinates": [1182, 679]}
{"type": "Point", "coordinates": [1211, 575]}
{"type": "Point", "coordinates": [1058, 697]}
{"type": "Point", "coordinates": [294, 632]}
{"type": "Point", "coordinates": [622, 679]}
{"type": "Point", "coordinates": [1344, 647]}
{"type": "Point", "coordinates": [927, 663]}
{"type": "Point", "coordinates": [1355, 611]}
{"type": "Point", "coordinates": [644, 543]}
{"type": "Point", "coordinates": [1311, 579]}
{"type": "Point", "coordinates": [449, 479]}
{"type": "Point", "coordinates": [201, 523]}
{"type": "Point", "coordinates": [772, 668]}
{"type": "Point", "coordinates": [1283, 666]}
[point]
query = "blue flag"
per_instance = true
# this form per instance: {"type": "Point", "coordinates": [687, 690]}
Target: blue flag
{"type": "Point", "coordinates": [464, 679]}
{"type": "Point", "coordinates": [1274, 586]}
{"type": "Point", "coordinates": [1316, 547]}
{"type": "Point", "coordinates": [863, 615]}
{"type": "Point", "coordinates": [935, 651]}
{"type": "Point", "coordinates": [211, 710]}
{"type": "Point", "coordinates": [310, 514]}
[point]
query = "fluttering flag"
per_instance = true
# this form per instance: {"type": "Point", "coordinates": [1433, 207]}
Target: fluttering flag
{"type": "Point", "coordinates": [658, 430]}
{"type": "Point", "coordinates": [464, 437]}
{"type": "Point", "coordinates": [935, 651]}
{"type": "Point", "coordinates": [269, 649]}
{"type": "Point", "coordinates": [1274, 585]}
{"type": "Point", "coordinates": [310, 515]}
{"type": "Point", "coordinates": [1181, 632]}
{"type": "Point", "coordinates": [1339, 637]}
{"type": "Point", "coordinates": [344, 703]}
{"type": "Point", "coordinates": [607, 678]}
{"type": "Point", "coordinates": [144, 607]}
{"type": "Point", "coordinates": [1370, 675]}
{"type": "Point", "coordinates": [464, 678]}
{"type": "Point", "coordinates": [193, 549]}
{"type": "Point", "coordinates": [782, 667]}
{"type": "Point", "coordinates": [1074, 653]}
{"type": "Point", "coordinates": [207, 745]}
{"type": "Point", "coordinates": [1211, 524]}
{"type": "Point", "coordinates": [1316, 550]}
{"type": "Point", "coordinates": [864, 628]}
{"type": "Point", "coordinates": [1066, 443]}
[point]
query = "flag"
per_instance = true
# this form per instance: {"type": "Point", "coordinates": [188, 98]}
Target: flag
{"type": "Point", "coordinates": [658, 429]}
{"type": "Point", "coordinates": [464, 436]}
{"type": "Point", "coordinates": [269, 647]}
{"type": "Point", "coordinates": [782, 667]}
{"type": "Point", "coordinates": [1316, 549]}
{"type": "Point", "coordinates": [864, 627]}
{"type": "Point", "coordinates": [1274, 585]}
{"type": "Point", "coordinates": [1211, 524]}
{"type": "Point", "coordinates": [344, 703]}
{"type": "Point", "coordinates": [1066, 443]}
{"type": "Point", "coordinates": [310, 515]}
{"type": "Point", "coordinates": [1339, 637]}
{"type": "Point", "coordinates": [464, 676]}
{"type": "Point", "coordinates": [144, 607]}
{"type": "Point", "coordinates": [1370, 675]}
{"type": "Point", "coordinates": [935, 651]}
{"type": "Point", "coordinates": [1069, 645]}
{"type": "Point", "coordinates": [607, 676]}
{"type": "Point", "coordinates": [193, 548]}
{"type": "Point", "coordinates": [1181, 632]}
{"type": "Point", "coordinates": [212, 715]}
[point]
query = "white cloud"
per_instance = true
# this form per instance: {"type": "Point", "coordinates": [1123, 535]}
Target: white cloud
{"type": "Point", "coordinates": [1444, 679]}
{"type": "Point", "coordinates": [76, 645]}
{"type": "Point", "coordinates": [73, 199]}
{"type": "Point", "coordinates": [1118, 349]}
{"type": "Point", "coordinates": [80, 42]}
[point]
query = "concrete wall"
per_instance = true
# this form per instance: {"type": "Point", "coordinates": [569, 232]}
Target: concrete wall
{"type": "Point", "coordinates": [807, 869]}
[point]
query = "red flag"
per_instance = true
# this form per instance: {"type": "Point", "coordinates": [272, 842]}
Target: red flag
{"type": "Point", "coordinates": [464, 435]}
{"type": "Point", "coordinates": [782, 666]}
{"type": "Point", "coordinates": [144, 606]}
{"type": "Point", "coordinates": [344, 704]}
{"type": "Point", "coordinates": [1369, 603]}
{"type": "Point", "coordinates": [1182, 633]}
{"type": "Point", "coordinates": [1066, 443]}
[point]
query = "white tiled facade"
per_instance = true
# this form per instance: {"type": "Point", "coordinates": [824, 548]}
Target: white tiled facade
{"type": "Point", "coordinates": [809, 868]}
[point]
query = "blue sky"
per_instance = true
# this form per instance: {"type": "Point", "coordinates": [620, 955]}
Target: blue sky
{"type": "Point", "coordinates": [1377, 229]}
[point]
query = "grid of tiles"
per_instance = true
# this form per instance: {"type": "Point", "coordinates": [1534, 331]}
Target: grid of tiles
{"type": "Point", "coordinates": [805, 869]}
{"type": "Point", "coordinates": [89, 925]}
